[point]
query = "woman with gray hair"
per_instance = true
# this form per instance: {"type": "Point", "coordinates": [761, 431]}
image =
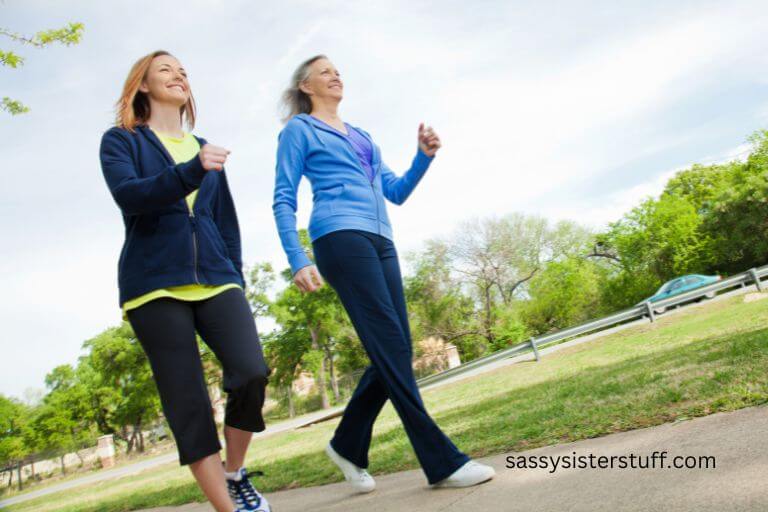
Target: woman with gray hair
{"type": "Point", "coordinates": [352, 243]}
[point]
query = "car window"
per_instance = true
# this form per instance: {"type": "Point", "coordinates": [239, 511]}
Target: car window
{"type": "Point", "coordinates": [675, 285]}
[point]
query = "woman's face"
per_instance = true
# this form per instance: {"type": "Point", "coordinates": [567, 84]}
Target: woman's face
{"type": "Point", "coordinates": [166, 81]}
{"type": "Point", "coordinates": [324, 81]}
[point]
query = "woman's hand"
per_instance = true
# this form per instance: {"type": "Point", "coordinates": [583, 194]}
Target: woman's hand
{"type": "Point", "coordinates": [213, 157]}
{"type": "Point", "coordinates": [308, 279]}
{"type": "Point", "coordinates": [429, 142]}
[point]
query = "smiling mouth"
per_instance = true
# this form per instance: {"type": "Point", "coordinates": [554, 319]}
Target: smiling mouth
{"type": "Point", "coordinates": [177, 86]}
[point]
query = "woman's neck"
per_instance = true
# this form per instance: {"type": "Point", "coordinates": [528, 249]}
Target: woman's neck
{"type": "Point", "coordinates": [165, 118]}
{"type": "Point", "coordinates": [327, 112]}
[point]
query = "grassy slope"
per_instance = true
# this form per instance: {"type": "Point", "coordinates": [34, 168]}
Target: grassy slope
{"type": "Point", "coordinates": [700, 361]}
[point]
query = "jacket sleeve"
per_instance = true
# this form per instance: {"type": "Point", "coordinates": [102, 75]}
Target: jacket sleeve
{"type": "Point", "coordinates": [288, 172]}
{"type": "Point", "coordinates": [225, 218]}
{"type": "Point", "coordinates": [135, 195]}
{"type": "Point", "coordinates": [397, 189]}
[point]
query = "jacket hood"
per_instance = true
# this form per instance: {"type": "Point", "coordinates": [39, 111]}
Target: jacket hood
{"type": "Point", "coordinates": [316, 124]}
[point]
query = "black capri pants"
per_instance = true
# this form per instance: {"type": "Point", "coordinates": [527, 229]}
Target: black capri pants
{"type": "Point", "coordinates": [166, 328]}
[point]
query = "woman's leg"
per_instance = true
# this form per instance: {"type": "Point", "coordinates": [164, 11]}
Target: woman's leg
{"type": "Point", "coordinates": [166, 330]}
{"type": "Point", "coordinates": [237, 442]}
{"type": "Point", "coordinates": [359, 416]}
{"type": "Point", "coordinates": [351, 263]}
{"type": "Point", "coordinates": [226, 324]}
{"type": "Point", "coordinates": [210, 477]}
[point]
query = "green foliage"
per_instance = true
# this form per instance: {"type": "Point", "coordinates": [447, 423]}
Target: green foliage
{"type": "Point", "coordinates": [123, 378]}
{"type": "Point", "coordinates": [13, 107]}
{"type": "Point", "coordinates": [10, 59]}
{"type": "Point", "coordinates": [564, 294]}
{"type": "Point", "coordinates": [738, 223]}
{"type": "Point", "coordinates": [68, 35]}
{"type": "Point", "coordinates": [436, 305]}
{"type": "Point", "coordinates": [13, 423]}
{"type": "Point", "coordinates": [509, 329]}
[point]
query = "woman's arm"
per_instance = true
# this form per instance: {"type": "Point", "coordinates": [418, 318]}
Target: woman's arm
{"type": "Point", "coordinates": [397, 189]}
{"type": "Point", "coordinates": [135, 195]}
{"type": "Point", "coordinates": [288, 172]}
{"type": "Point", "coordinates": [225, 218]}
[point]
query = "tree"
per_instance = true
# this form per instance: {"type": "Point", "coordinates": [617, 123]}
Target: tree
{"type": "Point", "coordinates": [437, 305]}
{"type": "Point", "coordinates": [654, 242]}
{"type": "Point", "coordinates": [564, 294]}
{"type": "Point", "coordinates": [122, 367]}
{"type": "Point", "coordinates": [68, 35]}
{"type": "Point", "coordinates": [738, 223]}
{"type": "Point", "coordinates": [13, 449]}
{"type": "Point", "coordinates": [497, 257]}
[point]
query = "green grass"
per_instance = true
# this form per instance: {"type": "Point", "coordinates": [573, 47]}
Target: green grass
{"type": "Point", "coordinates": [697, 362]}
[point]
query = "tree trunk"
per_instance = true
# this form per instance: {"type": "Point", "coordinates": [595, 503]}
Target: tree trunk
{"type": "Point", "coordinates": [131, 442]}
{"type": "Point", "coordinates": [488, 315]}
{"type": "Point", "coordinates": [33, 470]}
{"type": "Point", "coordinates": [18, 474]}
{"type": "Point", "coordinates": [321, 373]}
{"type": "Point", "coordinates": [334, 382]}
{"type": "Point", "coordinates": [291, 408]}
{"type": "Point", "coordinates": [141, 440]}
{"type": "Point", "coordinates": [10, 478]}
{"type": "Point", "coordinates": [63, 468]}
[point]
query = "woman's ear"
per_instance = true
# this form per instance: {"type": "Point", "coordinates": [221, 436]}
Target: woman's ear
{"type": "Point", "coordinates": [143, 87]}
{"type": "Point", "coordinates": [303, 88]}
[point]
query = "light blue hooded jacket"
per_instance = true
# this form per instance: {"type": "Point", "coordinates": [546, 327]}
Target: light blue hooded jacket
{"type": "Point", "coordinates": [343, 196]}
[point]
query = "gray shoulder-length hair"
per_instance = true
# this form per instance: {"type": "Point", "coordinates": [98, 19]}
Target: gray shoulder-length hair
{"type": "Point", "coordinates": [294, 100]}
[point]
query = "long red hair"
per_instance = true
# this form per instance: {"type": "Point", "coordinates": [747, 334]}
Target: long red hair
{"type": "Point", "coordinates": [133, 106]}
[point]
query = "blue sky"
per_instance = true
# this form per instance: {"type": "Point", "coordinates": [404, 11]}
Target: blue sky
{"type": "Point", "coordinates": [571, 110]}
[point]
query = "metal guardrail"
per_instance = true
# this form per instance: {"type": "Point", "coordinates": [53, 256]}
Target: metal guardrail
{"type": "Point", "coordinates": [646, 309]}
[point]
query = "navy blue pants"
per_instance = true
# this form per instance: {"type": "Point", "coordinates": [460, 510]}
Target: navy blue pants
{"type": "Point", "coordinates": [363, 269]}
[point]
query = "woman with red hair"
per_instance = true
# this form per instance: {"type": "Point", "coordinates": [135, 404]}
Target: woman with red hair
{"type": "Point", "coordinates": [180, 273]}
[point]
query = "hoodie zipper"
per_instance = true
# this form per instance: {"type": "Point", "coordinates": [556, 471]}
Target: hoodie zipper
{"type": "Point", "coordinates": [194, 243]}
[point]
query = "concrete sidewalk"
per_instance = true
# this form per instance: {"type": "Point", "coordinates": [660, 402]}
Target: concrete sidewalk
{"type": "Point", "coordinates": [737, 440]}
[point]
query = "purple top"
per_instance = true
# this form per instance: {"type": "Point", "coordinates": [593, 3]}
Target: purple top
{"type": "Point", "coordinates": [360, 144]}
{"type": "Point", "coordinates": [363, 149]}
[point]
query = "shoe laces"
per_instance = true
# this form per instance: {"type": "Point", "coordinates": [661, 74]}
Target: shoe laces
{"type": "Point", "coordinates": [242, 491]}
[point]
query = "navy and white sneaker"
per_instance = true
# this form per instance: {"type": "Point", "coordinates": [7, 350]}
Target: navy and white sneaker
{"type": "Point", "coordinates": [244, 494]}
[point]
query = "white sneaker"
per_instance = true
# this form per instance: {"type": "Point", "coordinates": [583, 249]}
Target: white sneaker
{"type": "Point", "coordinates": [471, 473]}
{"type": "Point", "coordinates": [359, 478]}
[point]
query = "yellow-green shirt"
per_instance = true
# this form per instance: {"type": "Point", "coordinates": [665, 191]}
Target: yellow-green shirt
{"type": "Point", "coordinates": [181, 150]}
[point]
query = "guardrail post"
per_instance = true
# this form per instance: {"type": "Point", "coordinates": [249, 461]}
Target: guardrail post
{"type": "Point", "coordinates": [753, 273]}
{"type": "Point", "coordinates": [649, 308]}
{"type": "Point", "coordinates": [535, 349]}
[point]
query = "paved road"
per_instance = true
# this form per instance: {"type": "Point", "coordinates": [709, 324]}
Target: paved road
{"type": "Point", "coordinates": [737, 483]}
{"type": "Point", "coordinates": [336, 411]}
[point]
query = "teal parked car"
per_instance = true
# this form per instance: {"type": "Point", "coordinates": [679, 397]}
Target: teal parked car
{"type": "Point", "coordinates": [681, 285]}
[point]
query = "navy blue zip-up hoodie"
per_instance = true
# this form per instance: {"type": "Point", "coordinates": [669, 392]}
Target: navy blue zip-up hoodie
{"type": "Point", "coordinates": [166, 245]}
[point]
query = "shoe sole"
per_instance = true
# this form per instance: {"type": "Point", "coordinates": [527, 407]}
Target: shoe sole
{"type": "Point", "coordinates": [445, 485]}
{"type": "Point", "coordinates": [332, 455]}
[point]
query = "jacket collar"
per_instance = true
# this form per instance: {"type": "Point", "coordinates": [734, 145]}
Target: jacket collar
{"type": "Point", "coordinates": [316, 124]}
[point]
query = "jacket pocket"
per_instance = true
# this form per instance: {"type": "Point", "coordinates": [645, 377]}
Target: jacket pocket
{"type": "Point", "coordinates": [212, 249]}
{"type": "Point", "coordinates": [167, 243]}
{"type": "Point", "coordinates": [359, 199]}
{"type": "Point", "coordinates": [325, 200]}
